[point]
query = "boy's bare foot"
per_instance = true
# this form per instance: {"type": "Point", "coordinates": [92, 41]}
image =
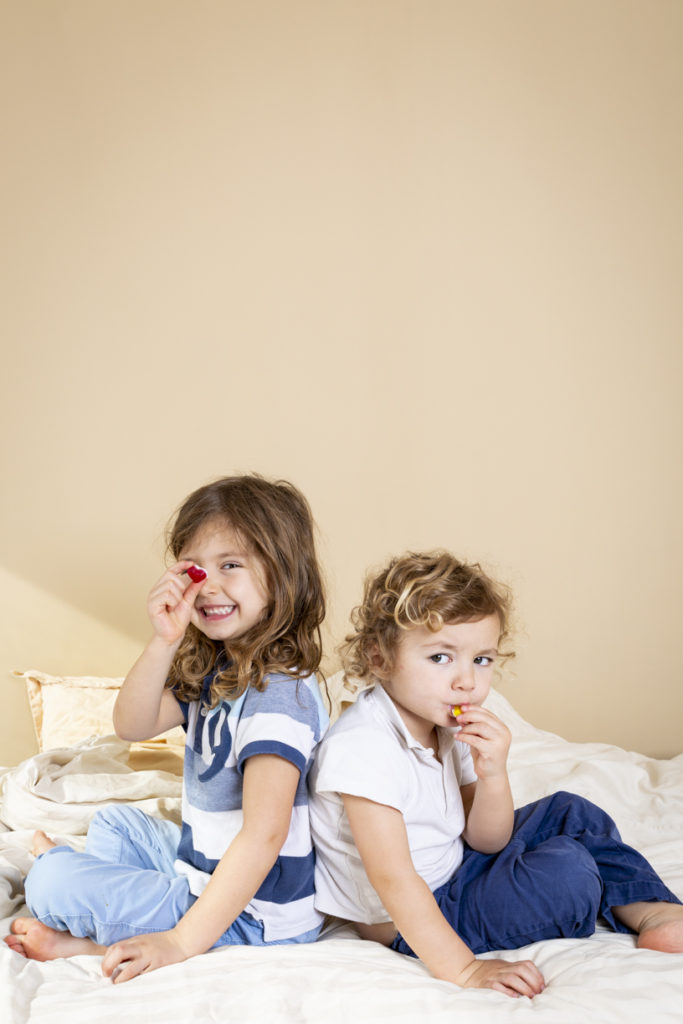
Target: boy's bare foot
{"type": "Point", "coordinates": [41, 843]}
{"type": "Point", "coordinates": [662, 929]}
{"type": "Point", "coordinates": [35, 941]}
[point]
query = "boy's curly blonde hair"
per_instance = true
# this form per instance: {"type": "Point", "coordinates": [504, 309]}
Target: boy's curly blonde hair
{"type": "Point", "coordinates": [432, 589]}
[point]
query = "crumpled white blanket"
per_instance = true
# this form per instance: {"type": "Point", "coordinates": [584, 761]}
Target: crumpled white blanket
{"type": "Point", "coordinates": [59, 791]}
{"type": "Point", "coordinates": [340, 978]}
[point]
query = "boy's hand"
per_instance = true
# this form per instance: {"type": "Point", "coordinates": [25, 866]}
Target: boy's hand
{"type": "Point", "coordinates": [144, 953]}
{"type": "Point", "coordinates": [488, 738]}
{"type": "Point", "coordinates": [519, 978]}
{"type": "Point", "coordinates": [171, 601]}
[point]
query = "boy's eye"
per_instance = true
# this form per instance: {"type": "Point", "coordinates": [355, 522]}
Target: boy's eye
{"type": "Point", "coordinates": [439, 659]}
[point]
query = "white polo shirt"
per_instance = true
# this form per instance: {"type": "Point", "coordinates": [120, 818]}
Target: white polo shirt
{"type": "Point", "coordinates": [370, 753]}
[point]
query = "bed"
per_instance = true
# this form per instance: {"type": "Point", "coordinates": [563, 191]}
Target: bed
{"type": "Point", "coordinates": [340, 978]}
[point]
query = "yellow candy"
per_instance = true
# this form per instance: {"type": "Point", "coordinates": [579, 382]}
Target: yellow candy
{"type": "Point", "coordinates": [457, 710]}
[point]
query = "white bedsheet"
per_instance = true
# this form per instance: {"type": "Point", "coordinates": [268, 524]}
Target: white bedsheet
{"type": "Point", "coordinates": [340, 978]}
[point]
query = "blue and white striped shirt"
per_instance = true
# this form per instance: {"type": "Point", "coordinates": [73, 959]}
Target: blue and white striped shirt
{"type": "Point", "coordinates": [288, 719]}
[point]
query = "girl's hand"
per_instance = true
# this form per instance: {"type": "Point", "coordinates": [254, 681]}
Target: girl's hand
{"type": "Point", "coordinates": [519, 978]}
{"type": "Point", "coordinates": [488, 738]}
{"type": "Point", "coordinates": [144, 953]}
{"type": "Point", "coordinates": [171, 601]}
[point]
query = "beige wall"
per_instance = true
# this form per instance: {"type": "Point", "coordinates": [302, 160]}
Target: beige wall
{"type": "Point", "coordinates": [44, 632]}
{"type": "Point", "coordinates": [423, 259]}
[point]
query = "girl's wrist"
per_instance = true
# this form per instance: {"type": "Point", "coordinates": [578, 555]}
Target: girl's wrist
{"type": "Point", "coordinates": [184, 942]}
{"type": "Point", "coordinates": [162, 646]}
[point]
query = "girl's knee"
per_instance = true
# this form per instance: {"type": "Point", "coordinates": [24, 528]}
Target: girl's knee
{"type": "Point", "coordinates": [49, 876]}
{"type": "Point", "coordinates": [109, 823]}
{"type": "Point", "coordinates": [114, 817]}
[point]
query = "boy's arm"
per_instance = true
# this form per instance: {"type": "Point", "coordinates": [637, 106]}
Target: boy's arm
{"type": "Point", "coordinates": [270, 785]}
{"type": "Point", "coordinates": [489, 810]}
{"type": "Point", "coordinates": [380, 835]}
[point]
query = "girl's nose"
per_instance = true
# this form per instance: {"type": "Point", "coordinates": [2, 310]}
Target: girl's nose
{"type": "Point", "coordinates": [209, 585]}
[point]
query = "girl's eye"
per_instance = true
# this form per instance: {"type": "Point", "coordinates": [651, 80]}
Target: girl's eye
{"type": "Point", "coordinates": [230, 565]}
{"type": "Point", "coordinates": [439, 659]}
{"type": "Point", "coordinates": [483, 659]}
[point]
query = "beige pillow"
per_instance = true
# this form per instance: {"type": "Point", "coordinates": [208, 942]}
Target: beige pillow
{"type": "Point", "coordinates": [341, 691]}
{"type": "Point", "coordinates": [69, 709]}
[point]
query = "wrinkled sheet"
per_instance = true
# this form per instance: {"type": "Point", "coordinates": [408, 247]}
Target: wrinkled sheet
{"type": "Point", "coordinates": [340, 978]}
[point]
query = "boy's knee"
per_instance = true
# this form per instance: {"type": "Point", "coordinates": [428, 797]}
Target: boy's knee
{"type": "Point", "coordinates": [581, 815]}
{"type": "Point", "coordinates": [566, 803]}
{"type": "Point", "coordinates": [576, 885]}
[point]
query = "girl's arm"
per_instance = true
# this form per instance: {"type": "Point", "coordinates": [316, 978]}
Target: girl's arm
{"type": "Point", "coordinates": [380, 835]}
{"type": "Point", "coordinates": [144, 707]}
{"type": "Point", "coordinates": [269, 789]}
{"type": "Point", "coordinates": [489, 810]}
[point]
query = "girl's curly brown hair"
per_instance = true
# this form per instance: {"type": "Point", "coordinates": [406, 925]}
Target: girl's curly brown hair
{"type": "Point", "coordinates": [430, 590]}
{"type": "Point", "coordinates": [274, 521]}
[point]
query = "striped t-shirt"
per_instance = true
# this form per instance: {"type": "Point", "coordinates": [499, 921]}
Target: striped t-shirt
{"type": "Point", "coordinates": [288, 719]}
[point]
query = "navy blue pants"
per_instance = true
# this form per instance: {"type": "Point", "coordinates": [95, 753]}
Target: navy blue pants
{"type": "Point", "coordinates": [564, 865]}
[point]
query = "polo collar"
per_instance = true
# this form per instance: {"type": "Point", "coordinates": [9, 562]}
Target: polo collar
{"type": "Point", "coordinates": [388, 709]}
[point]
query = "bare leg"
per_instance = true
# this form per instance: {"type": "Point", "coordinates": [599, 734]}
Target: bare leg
{"type": "Point", "coordinates": [35, 941]}
{"type": "Point", "coordinates": [659, 925]}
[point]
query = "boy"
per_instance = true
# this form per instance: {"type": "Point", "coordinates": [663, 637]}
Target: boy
{"type": "Point", "coordinates": [417, 840]}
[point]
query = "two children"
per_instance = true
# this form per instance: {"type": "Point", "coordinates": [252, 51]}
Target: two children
{"type": "Point", "coordinates": [417, 840]}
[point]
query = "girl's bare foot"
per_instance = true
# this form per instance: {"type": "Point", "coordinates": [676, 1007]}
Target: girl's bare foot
{"type": "Point", "coordinates": [36, 941]}
{"type": "Point", "coordinates": [41, 843]}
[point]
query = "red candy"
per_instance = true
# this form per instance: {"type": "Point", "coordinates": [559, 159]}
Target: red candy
{"type": "Point", "coordinates": [196, 573]}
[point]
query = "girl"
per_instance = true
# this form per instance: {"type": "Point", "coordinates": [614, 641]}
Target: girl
{"type": "Point", "coordinates": [235, 645]}
{"type": "Point", "coordinates": [412, 816]}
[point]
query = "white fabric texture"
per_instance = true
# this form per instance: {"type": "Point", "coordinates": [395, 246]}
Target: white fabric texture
{"type": "Point", "coordinates": [340, 978]}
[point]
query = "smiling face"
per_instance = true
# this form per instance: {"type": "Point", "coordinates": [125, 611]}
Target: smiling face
{"type": "Point", "coordinates": [435, 672]}
{"type": "Point", "coordinates": [233, 597]}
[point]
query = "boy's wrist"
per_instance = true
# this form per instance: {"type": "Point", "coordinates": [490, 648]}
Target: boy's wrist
{"type": "Point", "coordinates": [466, 972]}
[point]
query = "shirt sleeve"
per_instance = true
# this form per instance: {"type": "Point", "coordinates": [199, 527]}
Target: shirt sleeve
{"type": "Point", "coordinates": [283, 719]}
{"type": "Point", "coordinates": [363, 762]}
{"type": "Point", "coordinates": [184, 708]}
{"type": "Point", "coordinates": [185, 705]}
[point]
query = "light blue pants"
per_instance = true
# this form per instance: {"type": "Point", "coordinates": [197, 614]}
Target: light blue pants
{"type": "Point", "coordinates": [124, 884]}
